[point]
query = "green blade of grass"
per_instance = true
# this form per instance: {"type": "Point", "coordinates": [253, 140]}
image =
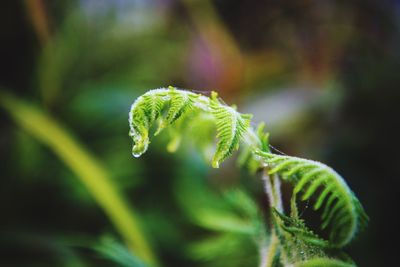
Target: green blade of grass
{"type": "Point", "coordinates": [87, 169]}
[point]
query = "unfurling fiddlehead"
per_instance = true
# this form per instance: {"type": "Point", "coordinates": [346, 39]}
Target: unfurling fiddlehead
{"type": "Point", "coordinates": [342, 213]}
{"type": "Point", "coordinates": [231, 125]}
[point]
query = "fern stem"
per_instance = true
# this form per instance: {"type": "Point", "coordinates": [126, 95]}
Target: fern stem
{"type": "Point", "coordinates": [267, 257]}
{"type": "Point", "coordinates": [272, 187]}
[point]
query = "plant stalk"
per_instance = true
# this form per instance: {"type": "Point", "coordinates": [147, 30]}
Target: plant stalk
{"type": "Point", "coordinates": [272, 186]}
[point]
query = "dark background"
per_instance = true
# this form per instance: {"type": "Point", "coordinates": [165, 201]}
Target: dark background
{"type": "Point", "coordinates": [324, 75]}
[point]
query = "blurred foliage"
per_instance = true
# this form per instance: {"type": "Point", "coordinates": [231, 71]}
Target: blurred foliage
{"type": "Point", "coordinates": [235, 225]}
{"type": "Point", "coordinates": [322, 74]}
{"type": "Point", "coordinates": [91, 174]}
{"type": "Point", "coordinates": [117, 253]}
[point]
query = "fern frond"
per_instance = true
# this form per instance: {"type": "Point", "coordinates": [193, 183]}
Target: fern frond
{"type": "Point", "coordinates": [342, 210]}
{"type": "Point", "coordinates": [231, 126]}
{"type": "Point", "coordinates": [297, 228]}
{"type": "Point", "coordinates": [179, 104]}
{"type": "Point", "coordinates": [198, 116]}
{"type": "Point", "coordinates": [302, 247]}
{"type": "Point", "coordinates": [150, 107]}
{"type": "Point", "coordinates": [298, 242]}
{"type": "Point", "coordinates": [144, 111]}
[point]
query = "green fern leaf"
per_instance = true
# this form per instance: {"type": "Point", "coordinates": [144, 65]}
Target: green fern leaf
{"type": "Point", "coordinates": [148, 108]}
{"type": "Point", "coordinates": [298, 242]}
{"type": "Point", "coordinates": [144, 111]}
{"type": "Point", "coordinates": [179, 104]}
{"type": "Point", "coordinates": [302, 247]}
{"type": "Point", "coordinates": [342, 210]}
{"type": "Point", "coordinates": [231, 126]}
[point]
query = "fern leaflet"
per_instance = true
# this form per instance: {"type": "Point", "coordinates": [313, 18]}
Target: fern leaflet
{"type": "Point", "coordinates": [342, 212]}
{"type": "Point", "coordinates": [231, 125]}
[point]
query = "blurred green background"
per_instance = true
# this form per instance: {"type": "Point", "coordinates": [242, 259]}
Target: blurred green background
{"type": "Point", "coordinates": [323, 75]}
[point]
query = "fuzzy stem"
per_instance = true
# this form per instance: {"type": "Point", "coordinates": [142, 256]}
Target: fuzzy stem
{"type": "Point", "coordinates": [273, 190]}
{"type": "Point", "coordinates": [269, 252]}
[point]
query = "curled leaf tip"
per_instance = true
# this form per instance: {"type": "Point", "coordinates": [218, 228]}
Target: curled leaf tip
{"type": "Point", "coordinates": [139, 148]}
{"type": "Point", "coordinates": [215, 164]}
{"type": "Point", "coordinates": [140, 145]}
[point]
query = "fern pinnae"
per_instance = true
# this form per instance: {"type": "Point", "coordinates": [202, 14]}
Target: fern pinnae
{"type": "Point", "coordinates": [281, 165]}
{"type": "Point", "coordinates": [144, 111]}
{"type": "Point", "coordinates": [321, 198]}
{"type": "Point", "coordinates": [180, 103]}
{"type": "Point", "coordinates": [343, 200]}
{"type": "Point", "coordinates": [313, 187]}
{"type": "Point", "coordinates": [231, 126]}
{"type": "Point", "coordinates": [296, 169]}
{"type": "Point", "coordinates": [336, 210]}
{"type": "Point", "coordinates": [307, 178]}
{"type": "Point", "coordinates": [299, 242]}
{"type": "Point", "coordinates": [329, 203]}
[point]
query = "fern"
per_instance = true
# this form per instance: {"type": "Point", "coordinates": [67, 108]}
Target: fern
{"type": "Point", "coordinates": [301, 246]}
{"type": "Point", "coordinates": [296, 228]}
{"type": "Point", "coordinates": [186, 113]}
{"type": "Point", "coordinates": [342, 210]}
{"type": "Point", "coordinates": [230, 124]}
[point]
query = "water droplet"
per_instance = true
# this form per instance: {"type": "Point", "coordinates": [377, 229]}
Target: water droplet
{"type": "Point", "coordinates": [139, 147]}
{"type": "Point", "coordinates": [136, 155]}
